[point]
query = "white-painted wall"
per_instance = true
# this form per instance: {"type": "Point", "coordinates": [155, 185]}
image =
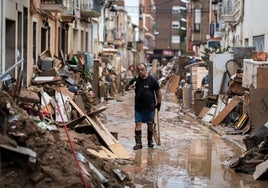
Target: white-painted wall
{"type": "Point", "coordinates": [9, 10]}
{"type": "Point", "coordinates": [255, 23]}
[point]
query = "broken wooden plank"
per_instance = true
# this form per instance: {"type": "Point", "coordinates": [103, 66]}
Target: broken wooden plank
{"type": "Point", "coordinates": [73, 123]}
{"type": "Point", "coordinates": [173, 84]}
{"type": "Point", "coordinates": [97, 111]}
{"type": "Point", "coordinates": [261, 169]}
{"type": "Point", "coordinates": [78, 100]}
{"type": "Point", "coordinates": [226, 110]}
{"type": "Point", "coordinates": [46, 79]}
{"type": "Point", "coordinates": [103, 132]}
{"type": "Point", "coordinates": [16, 153]}
{"type": "Point", "coordinates": [102, 153]}
{"type": "Point", "coordinates": [20, 150]}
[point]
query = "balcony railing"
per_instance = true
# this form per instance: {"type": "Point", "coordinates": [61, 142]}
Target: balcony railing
{"type": "Point", "coordinates": [68, 14]}
{"type": "Point", "coordinates": [231, 12]}
{"type": "Point", "coordinates": [52, 5]}
{"type": "Point", "coordinates": [91, 8]}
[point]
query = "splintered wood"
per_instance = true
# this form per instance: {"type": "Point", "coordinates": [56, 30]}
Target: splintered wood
{"type": "Point", "coordinates": [226, 110]}
{"type": "Point", "coordinates": [103, 132]}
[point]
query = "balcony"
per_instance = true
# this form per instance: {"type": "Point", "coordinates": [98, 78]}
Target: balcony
{"type": "Point", "coordinates": [91, 8]}
{"type": "Point", "coordinates": [231, 13]}
{"type": "Point", "coordinates": [52, 5]}
{"type": "Point", "coordinates": [68, 14]}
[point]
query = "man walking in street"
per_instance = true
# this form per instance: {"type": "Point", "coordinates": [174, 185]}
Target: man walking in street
{"type": "Point", "coordinates": [148, 96]}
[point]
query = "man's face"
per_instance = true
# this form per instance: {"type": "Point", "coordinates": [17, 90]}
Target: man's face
{"type": "Point", "coordinates": [141, 70]}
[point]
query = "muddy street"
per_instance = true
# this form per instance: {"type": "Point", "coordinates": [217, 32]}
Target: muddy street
{"type": "Point", "coordinates": [190, 154]}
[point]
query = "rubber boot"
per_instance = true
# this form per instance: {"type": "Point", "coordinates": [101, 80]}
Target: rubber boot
{"type": "Point", "coordinates": [138, 140]}
{"type": "Point", "coordinates": [150, 136]}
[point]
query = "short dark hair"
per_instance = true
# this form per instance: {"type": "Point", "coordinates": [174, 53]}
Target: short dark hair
{"type": "Point", "coordinates": [142, 64]}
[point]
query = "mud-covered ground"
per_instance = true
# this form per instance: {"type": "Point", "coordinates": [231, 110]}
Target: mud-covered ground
{"type": "Point", "coordinates": [190, 154]}
{"type": "Point", "coordinates": [45, 157]}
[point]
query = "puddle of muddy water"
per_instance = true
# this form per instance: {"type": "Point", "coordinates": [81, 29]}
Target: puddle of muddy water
{"type": "Point", "coordinates": [190, 155]}
{"type": "Point", "coordinates": [198, 164]}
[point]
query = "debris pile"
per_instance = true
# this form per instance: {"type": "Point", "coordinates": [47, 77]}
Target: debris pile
{"type": "Point", "coordinates": [254, 160]}
{"type": "Point", "coordinates": [50, 134]}
{"type": "Point", "coordinates": [231, 100]}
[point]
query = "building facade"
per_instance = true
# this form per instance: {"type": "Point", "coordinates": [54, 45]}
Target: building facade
{"type": "Point", "coordinates": [170, 28]}
{"type": "Point", "coordinates": [198, 27]}
{"type": "Point", "coordinates": [14, 38]}
{"type": "Point", "coordinates": [164, 29]}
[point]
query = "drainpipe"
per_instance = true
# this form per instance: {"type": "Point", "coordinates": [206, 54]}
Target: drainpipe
{"type": "Point", "coordinates": [1, 37]}
{"type": "Point", "coordinates": [56, 37]}
{"type": "Point", "coordinates": [241, 19]}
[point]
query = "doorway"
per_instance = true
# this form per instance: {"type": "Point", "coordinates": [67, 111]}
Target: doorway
{"type": "Point", "coordinates": [10, 46]}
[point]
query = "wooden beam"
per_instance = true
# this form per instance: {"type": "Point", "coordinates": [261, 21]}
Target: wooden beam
{"type": "Point", "coordinates": [261, 169]}
{"type": "Point", "coordinates": [103, 132]}
{"type": "Point", "coordinates": [102, 153]}
{"type": "Point", "coordinates": [173, 84]}
{"type": "Point", "coordinates": [226, 110]}
{"type": "Point", "coordinates": [73, 123]}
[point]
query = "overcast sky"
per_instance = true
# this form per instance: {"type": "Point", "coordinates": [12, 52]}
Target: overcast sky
{"type": "Point", "coordinates": [132, 7]}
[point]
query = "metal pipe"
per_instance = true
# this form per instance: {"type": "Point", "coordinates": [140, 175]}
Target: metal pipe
{"type": "Point", "coordinates": [12, 67]}
{"type": "Point", "coordinates": [2, 13]}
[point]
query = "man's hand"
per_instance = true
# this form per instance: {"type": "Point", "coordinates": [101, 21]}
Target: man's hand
{"type": "Point", "coordinates": [158, 106]}
{"type": "Point", "coordinates": [131, 83]}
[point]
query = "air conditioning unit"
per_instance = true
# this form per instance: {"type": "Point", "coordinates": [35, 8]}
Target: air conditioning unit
{"type": "Point", "coordinates": [47, 63]}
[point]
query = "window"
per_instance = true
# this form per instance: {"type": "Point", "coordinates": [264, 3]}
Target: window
{"type": "Point", "coordinates": [77, 4]}
{"type": "Point", "coordinates": [176, 9]}
{"type": "Point", "coordinates": [197, 27]}
{"type": "Point", "coordinates": [246, 42]}
{"type": "Point", "coordinates": [175, 24]}
{"type": "Point", "coordinates": [258, 43]}
{"type": "Point", "coordinates": [175, 39]}
{"type": "Point", "coordinates": [197, 19]}
{"type": "Point", "coordinates": [67, 4]}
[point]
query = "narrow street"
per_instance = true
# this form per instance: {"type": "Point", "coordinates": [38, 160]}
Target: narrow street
{"type": "Point", "coordinates": [190, 154]}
